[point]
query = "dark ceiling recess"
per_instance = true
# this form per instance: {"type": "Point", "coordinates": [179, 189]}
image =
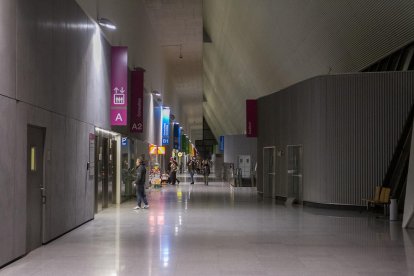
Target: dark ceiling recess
{"type": "Point", "coordinates": [206, 146]}
{"type": "Point", "coordinates": [206, 37]}
{"type": "Point", "coordinates": [400, 60]}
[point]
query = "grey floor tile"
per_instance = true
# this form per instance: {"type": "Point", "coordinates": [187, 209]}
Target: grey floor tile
{"type": "Point", "coordinates": [219, 230]}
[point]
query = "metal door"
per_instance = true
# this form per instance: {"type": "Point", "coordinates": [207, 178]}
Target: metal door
{"type": "Point", "coordinates": [294, 166]}
{"type": "Point", "coordinates": [245, 165]}
{"type": "Point", "coordinates": [101, 175]}
{"type": "Point", "coordinates": [105, 172]}
{"type": "Point", "coordinates": [269, 172]}
{"type": "Point", "coordinates": [35, 196]}
{"type": "Point", "coordinates": [98, 182]}
{"type": "Point", "coordinates": [112, 172]}
{"type": "Point", "coordinates": [103, 180]}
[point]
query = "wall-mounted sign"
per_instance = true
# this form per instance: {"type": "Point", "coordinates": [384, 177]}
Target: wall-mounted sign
{"type": "Point", "coordinates": [119, 84]}
{"type": "Point", "coordinates": [137, 101]}
{"type": "Point", "coordinates": [165, 126]}
{"type": "Point", "coordinates": [153, 149]}
{"type": "Point", "coordinates": [251, 118]}
{"type": "Point", "coordinates": [124, 141]}
{"type": "Point", "coordinates": [161, 150]}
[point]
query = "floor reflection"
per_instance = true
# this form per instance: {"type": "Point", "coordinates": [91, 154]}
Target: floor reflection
{"type": "Point", "coordinates": [219, 230]}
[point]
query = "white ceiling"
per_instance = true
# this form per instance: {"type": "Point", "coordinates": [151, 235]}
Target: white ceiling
{"type": "Point", "coordinates": [258, 47]}
{"type": "Point", "coordinates": [179, 27]}
{"type": "Point", "coordinates": [174, 29]}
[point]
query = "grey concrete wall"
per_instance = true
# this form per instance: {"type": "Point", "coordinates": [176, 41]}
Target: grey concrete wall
{"type": "Point", "coordinates": [218, 164]}
{"type": "Point", "coordinates": [8, 48]}
{"type": "Point", "coordinates": [7, 177]}
{"type": "Point", "coordinates": [235, 145]}
{"type": "Point", "coordinates": [63, 61]}
{"type": "Point", "coordinates": [349, 126]}
{"type": "Point", "coordinates": [55, 74]}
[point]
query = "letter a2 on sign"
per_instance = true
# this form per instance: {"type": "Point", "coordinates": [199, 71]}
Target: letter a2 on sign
{"type": "Point", "coordinates": [137, 100]}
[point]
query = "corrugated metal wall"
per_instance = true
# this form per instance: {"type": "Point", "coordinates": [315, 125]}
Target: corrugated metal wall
{"type": "Point", "coordinates": [349, 126]}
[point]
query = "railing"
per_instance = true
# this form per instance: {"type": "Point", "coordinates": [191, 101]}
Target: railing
{"type": "Point", "coordinates": [396, 176]}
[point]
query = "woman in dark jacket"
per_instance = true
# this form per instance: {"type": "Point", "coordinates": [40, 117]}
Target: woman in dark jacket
{"type": "Point", "coordinates": [140, 185]}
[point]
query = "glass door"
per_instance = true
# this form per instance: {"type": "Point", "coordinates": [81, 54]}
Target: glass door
{"type": "Point", "coordinates": [295, 189]}
{"type": "Point", "coordinates": [269, 172]}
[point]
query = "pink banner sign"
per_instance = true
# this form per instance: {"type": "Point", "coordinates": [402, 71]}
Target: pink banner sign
{"type": "Point", "coordinates": [119, 84]}
{"type": "Point", "coordinates": [137, 101]}
{"type": "Point", "coordinates": [251, 118]}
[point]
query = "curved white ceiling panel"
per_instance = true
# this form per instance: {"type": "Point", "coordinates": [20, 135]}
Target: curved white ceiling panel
{"type": "Point", "coordinates": [259, 47]}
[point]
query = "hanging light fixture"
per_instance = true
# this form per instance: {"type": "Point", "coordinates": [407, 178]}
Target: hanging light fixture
{"type": "Point", "coordinates": [176, 45]}
{"type": "Point", "coordinates": [156, 93]}
{"type": "Point", "coordinates": [104, 22]}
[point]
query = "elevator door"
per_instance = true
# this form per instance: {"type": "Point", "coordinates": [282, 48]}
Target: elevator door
{"type": "Point", "coordinates": [105, 173]}
{"type": "Point", "coordinates": [111, 158]}
{"type": "Point", "coordinates": [269, 172]}
{"type": "Point", "coordinates": [35, 189]}
{"type": "Point", "coordinates": [294, 153]}
{"type": "Point", "coordinates": [112, 168]}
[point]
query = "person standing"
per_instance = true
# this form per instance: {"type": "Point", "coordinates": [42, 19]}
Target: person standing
{"type": "Point", "coordinates": [206, 170]}
{"type": "Point", "coordinates": [140, 185]}
{"type": "Point", "coordinates": [173, 172]}
{"type": "Point", "coordinates": [191, 166]}
{"type": "Point", "coordinates": [176, 170]}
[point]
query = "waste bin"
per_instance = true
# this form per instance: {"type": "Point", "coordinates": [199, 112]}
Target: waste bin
{"type": "Point", "coordinates": [393, 210]}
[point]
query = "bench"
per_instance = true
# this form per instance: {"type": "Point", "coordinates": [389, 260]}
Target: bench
{"type": "Point", "coordinates": [381, 197]}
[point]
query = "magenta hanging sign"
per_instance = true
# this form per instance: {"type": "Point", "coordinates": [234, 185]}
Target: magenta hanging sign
{"type": "Point", "coordinates": [119, 84]}
{"type": "Point", "coordinates": [137, 100]}
{"type": "Point", "coordinates": [251, 118]}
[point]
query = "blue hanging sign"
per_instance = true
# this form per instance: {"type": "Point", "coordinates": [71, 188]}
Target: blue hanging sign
{"type": "Point", "coordinates": [221, 143]}
{"type": "Point", "coordinates": [165, 126]}
{"type": "Point", "coordinates": [177, 136]}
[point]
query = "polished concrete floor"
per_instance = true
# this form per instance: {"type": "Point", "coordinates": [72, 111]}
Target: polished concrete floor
{"type": "Point", "coordinates": [218, 230]}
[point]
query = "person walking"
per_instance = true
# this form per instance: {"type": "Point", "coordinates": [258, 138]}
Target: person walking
{"type": "Point", "coordinates": [191, 166]}
{"type": "Point", "coordinates": [140, 185]}
{"type": "Point", "coordinates": [206, 170]}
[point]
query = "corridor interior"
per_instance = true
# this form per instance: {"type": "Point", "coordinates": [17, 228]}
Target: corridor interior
{"type": "Point", "coordinates": [221, 230]}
